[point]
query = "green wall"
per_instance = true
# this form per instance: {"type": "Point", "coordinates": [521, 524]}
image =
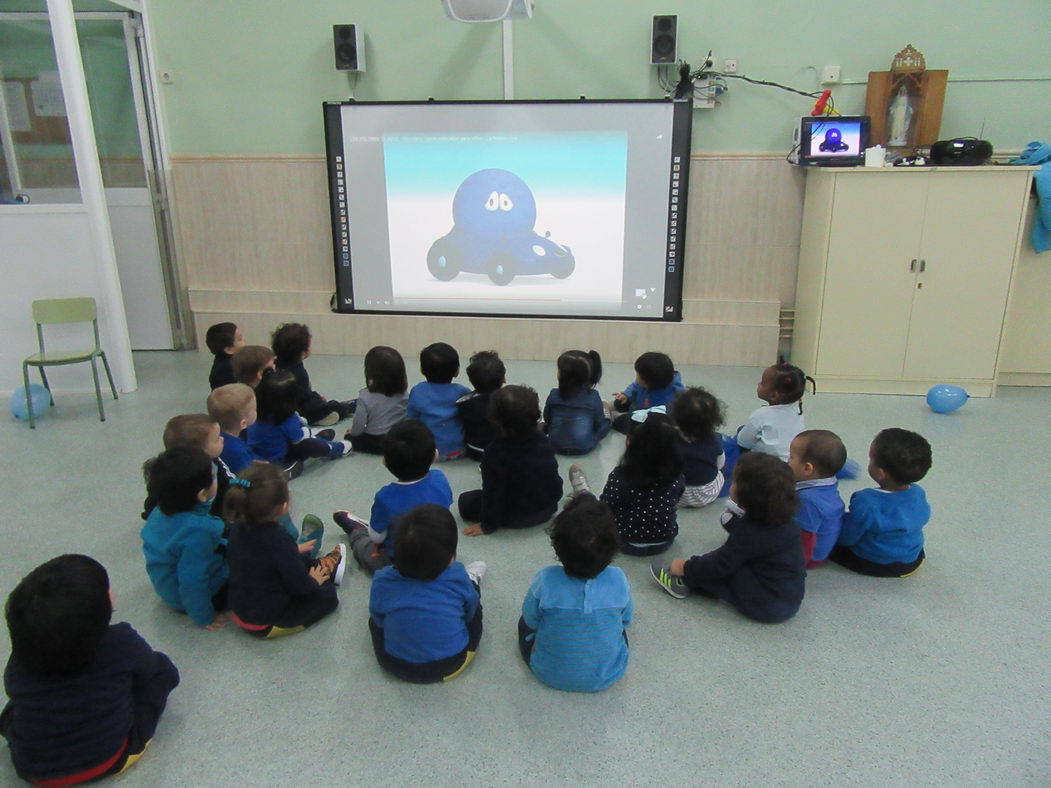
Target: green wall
{"type": "Point", "coordinates": [250, 76]}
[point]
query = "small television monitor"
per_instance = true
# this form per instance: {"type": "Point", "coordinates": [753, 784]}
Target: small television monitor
{"type": "Point", "coordinates": [833, 140]}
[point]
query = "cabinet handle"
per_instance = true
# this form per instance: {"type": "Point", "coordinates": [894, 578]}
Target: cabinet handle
{"type": "Point", "coordinates": [912, 266]}
{"type": "Point", "coordinates": [923, 266]}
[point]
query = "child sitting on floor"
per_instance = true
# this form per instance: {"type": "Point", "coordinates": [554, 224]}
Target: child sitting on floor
{"type": "Point", "coordinates": [84, 695]}
{"type": "Point", "coordinates": [291, 343]}
{"type": "Point", "coordinates": [521, 486]}
{"type": "Point", "coordinates": [815, 457]}
{"type": "Point", "coordinates": [223, 340]}
{"type": "Point", "coordinates": [486, 373]}
{"type": "Point", "coordinates": [656, 383]}
{"type": "Point", "coordinates": [425, 613]}
{"type": "Point", "coordinates": [275, 587]}
{"type": "Point", "coordinates": [233, 408]}
{"type": "Point", "coordinates": [759, 570]}
{"type": "Point", "coordinates": [278, 435]}
{"type": "Point", "coordinates": [572, 632]}
{"type": "Point", "coordinates": [882, 533]}
{"type": "Point", "coordinates": [697, 415]}
{"type": "Point", "coordinates": [383, 401]}
{"type": "Point", "coordinates": [251, 362]}
{"type": "Point", "coordinates": [408, 453]}
{"type": "Point", "coordinates": [574, 416]}
{"type": "Point", "coordinates": [197, 431]}
{"type": "Point", "coordinates": [771, 428]}
{"type": "Point", "coordinates": [434, 401]}
{"type": "Point", "coordinates": [183, 544]}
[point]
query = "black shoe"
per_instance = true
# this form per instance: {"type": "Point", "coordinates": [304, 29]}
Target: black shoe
{"type": "Point", "coordinates": [347, 408]}
{"type": "Point", "coordinates": [326, 435]}
{"type": "Point", "coordinates": [348, 522]}
{"type": "Point", "coordinates": [294, 470]}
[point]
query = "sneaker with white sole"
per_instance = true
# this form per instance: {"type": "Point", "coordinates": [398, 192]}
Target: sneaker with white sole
{"type": "Point", "coordinates": [673, 584]}
{"type": "Point", "coordinates": [348, 522]}
{"type": "Point", "coordinates": [341, 567]}
{"type": "Point", "coordinates": [476, 571]}
{"type": "Point", "coordinates": [328, 419]}
{"type": "Point", "coordinates": [348, 449]}
{"type": "Point", "coordinates": [578, 480]}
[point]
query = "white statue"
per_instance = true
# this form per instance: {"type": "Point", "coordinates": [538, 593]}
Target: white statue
{"type": "Point", "coordinates": [899, 117]}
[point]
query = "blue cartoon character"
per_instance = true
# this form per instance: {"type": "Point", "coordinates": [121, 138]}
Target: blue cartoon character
{"type": "Point", "coordinates": [493, 217]}
{"type": "Point", "coordinates": [833, 142]}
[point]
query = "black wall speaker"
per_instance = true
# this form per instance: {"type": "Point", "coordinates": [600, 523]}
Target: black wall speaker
{"type": "Point", "coordinates": [663, 40]}
{"type": "Point", "coordinates": [349, 46]}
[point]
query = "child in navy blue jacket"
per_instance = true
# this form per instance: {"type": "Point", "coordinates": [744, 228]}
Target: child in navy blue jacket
{"type": "Point", "coordinates": [697, 415]}
{"type": "Point", "coordinates": [656, 383]}
{"type": "Point", "coordinates": [574, 416]}
{"type": "Point", "coordinates": [486, 373]}
{"type": "Point", "coordinates": [759, 570]}
{"type": "Point", "coordinates": [84, 695]}
{"type": "Point", "coordinates": [275, 587]}
{"type": "Point", "coordinates": [815, 457]}
{"type": "Point", "coordinates": [425, 612]}
{"type": "Point", "coordinates": [434, 401]}
{"type": "Point", "coordinates": [291, 343]}
{"type": "Point", "coordinates": [882, 533]}
{"type": "Point", "coordinates": [223, 340]}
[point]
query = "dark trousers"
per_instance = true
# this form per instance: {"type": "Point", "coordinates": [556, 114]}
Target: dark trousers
{"type": "Point", "coordinates": [314, 409]}
{"type": "Point", "coordinates": [427, 672]}
{"type": "Point", "coordinates": [654, 549]}
{"type": "Point", "coordinates": [310, 447]}
{"type": "Point", "coordinates": [744, 590]}
{"type": "Point", "coordinates": [304, 611]}
{"type": "Point", "coordinates": [846, 557]}
{"type": "Point", "coordinates": [470, 505]}
{"type": "Point", "coordinates": [526, 640]}
{"type": "Point", "coordinates": [622, 423]}
{"type": "Point", "coordinates": [367, 444]}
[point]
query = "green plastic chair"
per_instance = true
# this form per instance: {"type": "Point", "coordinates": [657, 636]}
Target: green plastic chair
{"type": "Point", "coordinates": [52, 311]}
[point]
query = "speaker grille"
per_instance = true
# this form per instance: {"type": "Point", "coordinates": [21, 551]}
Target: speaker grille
{"type": "Point", "coordinates": [662, 39]}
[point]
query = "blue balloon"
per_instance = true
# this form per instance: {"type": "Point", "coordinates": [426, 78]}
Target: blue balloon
{"type": "Point", "coordinates": [41, 401]}
{"type": "Point", "coordinates": [945, 399]}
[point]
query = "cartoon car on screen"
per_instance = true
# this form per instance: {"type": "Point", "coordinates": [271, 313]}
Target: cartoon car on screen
{"type": "Point", "coordinates": [494, 212]}
{"type": "Point", "coordinates": [833, 142]}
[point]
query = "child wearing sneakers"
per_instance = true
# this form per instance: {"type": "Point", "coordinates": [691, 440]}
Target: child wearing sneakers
{"type": "Point", "coordinates": [291, 343]}
{"type": "Point", "coordinates": [882, 532]}
{"type": "Point", "coordinates": [223, 340]}
{"type": "Point", "coordinates": [275, 587]}
{"type": "Point", "coordinates": [486, 373]}
{"type": "Point", "coordinates": [84, 695]}
{"type": "Point", "coordinates": [408, 453]}
{"type": "Point", "coordinates": [233, 408]}
{"type": "Point", "coordinates": [815, 457]}
{"type": "Point", "coordinates": [759, 570]}
{"type": "Point", "coordinates": [521, 486]}
{"type": "Point", "coordinates": [251, 362]}
{"type": "Point", "coordinates": [573, 629]}
{"type": "Point", "coordinates": [278, 435]}
{"type": "Point", "coordinates": [656, 383]}
{"type": "Point", "coordinates": [425, 613]}
{"type": "Point", "coordinates": [434, 401]}
{"type": "Point", "coordinates": [183, 544]}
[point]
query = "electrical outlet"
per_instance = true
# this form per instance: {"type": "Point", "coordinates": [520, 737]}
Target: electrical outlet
{"type": "Point", "coordinates": [167, 76]}
{"type": "Point", "coordinates": [830, 75]}
{"type": "Point", "coordinates": [703, 93]}
{"type": "Point", "coordinates": [730, 65]}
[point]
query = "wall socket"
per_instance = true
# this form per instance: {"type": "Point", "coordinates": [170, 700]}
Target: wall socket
{"type": "Point", "coordinates": [830, 75]}
{"type": "Point", "coordinates": [730, 65]}
{"type": "Point", "coordinates": [166, 76]}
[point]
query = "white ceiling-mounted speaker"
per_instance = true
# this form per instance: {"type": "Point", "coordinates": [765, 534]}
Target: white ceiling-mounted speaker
{"type": "Point", "coordinates": [487, 10]}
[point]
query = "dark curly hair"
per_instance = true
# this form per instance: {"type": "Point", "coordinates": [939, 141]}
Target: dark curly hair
{"type": "Point", "coordinates": [486, 371]}
{"type": "Point", "coordinates": [903, 455]}
{"type": "Point", "coordinates": [765, 488]}
{"type": "Point", "coordinates": [697, 414]}
{"type": "Point", "coordinates": [515, 410]}
{"type": "Point", "coordinates": [653, 457]}
{"type": "Point", "coordinates": [584, 535]}
{"type": "Point", "coordinates": [290, 341]}
{"type": "Point", "coordinates": [175, 477]}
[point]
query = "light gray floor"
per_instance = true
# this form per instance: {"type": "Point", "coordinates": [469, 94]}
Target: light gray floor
{"type": "Point", "coordinates": [939, 679]}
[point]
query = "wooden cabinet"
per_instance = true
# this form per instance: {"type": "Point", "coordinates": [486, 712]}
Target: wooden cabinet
{"type": "Point", "coordinates": [904, 276]}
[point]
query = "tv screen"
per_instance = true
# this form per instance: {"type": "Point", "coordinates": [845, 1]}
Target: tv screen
{"type": "Point", "coordinates": [519, 208]}
{"type": "Point", "coordinates": [833, 139]}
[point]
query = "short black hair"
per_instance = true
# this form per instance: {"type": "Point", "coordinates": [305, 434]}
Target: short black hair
{"type": "Point", "coordinates": [515, 410]}
{"type": "Point", "coordinates": [655, 369]}
{"type": "Point", "coordinates": [58, 614]}
{"type": "Point", "coordinates": [290, 341]}
{"type": "Point", "coordinates": [653, 456]}
{"type": "Point", "coordinates": [697, 413]}
{"type": "Point", "coordinates": [765, 488]}
{"type": "Point", "coordinates": [408, 450]}
{"type": "Point", "coordinates": [584, 535]}
{"type": "Point", "coordinates": [175, 477]}
{"type": "Point", "coordinates": [905, 456]}
{"type": "Point", "coordinates": [486, 371]}
{"type": "Point", "coordinates": [385, 371]}
{"type": "Point", "coordinates": [574, 373]}
{"type": "Point", "coordinates": [219, 337]}
{"type": "Point", "coordinates": [824, 450]}
{"type": "Point", "coordinates": [424, 541]}
{"type": "Point", "coordinates": [276, 397]}
{"type": "Point", "coordinates": [439, 363]}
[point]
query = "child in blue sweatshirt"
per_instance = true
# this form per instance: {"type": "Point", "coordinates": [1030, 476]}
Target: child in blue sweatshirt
{"type": "Point", "coordinates": [233, 408]}
{"type": "Point", "coordinates": [183, 544]}
{"type": "Point", "coordinates": [656, 383]}
{"type": "Point", "coordinates": [815, 457]}
{"type": "Point", "coordinates": [434, 401]}
{"type": "Point", "coordinates": [882, 533]}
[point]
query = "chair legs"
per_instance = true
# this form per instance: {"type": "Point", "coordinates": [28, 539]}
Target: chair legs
{"type": "Point", "coordinates": [108, 374]}
{"type": "Point", "coordinates": [47, 385]}
{"type": "Point", "coordinates": [98, 391]}
{"type": "Point", "coordinates": [29, 399]}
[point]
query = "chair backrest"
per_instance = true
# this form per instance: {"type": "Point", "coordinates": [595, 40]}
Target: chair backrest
{"type": "Point", "coordinates": [64, 310]}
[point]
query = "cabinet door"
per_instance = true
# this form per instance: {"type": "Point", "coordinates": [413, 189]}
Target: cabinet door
{"type": "Point", "coordinates": [875, 234]}
{"type": "Point", "coordinates": [969, 243]}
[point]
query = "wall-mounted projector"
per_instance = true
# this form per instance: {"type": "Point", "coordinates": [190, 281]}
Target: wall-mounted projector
{"type": "Point", "coordinates": [487, 10]}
